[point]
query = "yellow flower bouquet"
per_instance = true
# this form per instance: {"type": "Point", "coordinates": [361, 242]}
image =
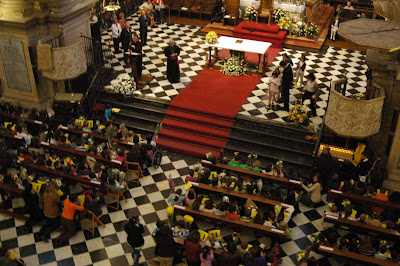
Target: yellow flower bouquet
{"type": "Point", "coordinates": [170, 214]}
{"type": "Point", "coordinates": [211, 37]}
{"type": "Point", "coordinates": [188, 221]}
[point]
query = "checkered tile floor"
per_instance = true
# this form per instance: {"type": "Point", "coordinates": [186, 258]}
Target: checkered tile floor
{"type": "Point", "coordinates": [326, 66]}
{"type": "Point", "coordinates": [191, 59]}
{"type": "Point", "coordinates": [109, 245]}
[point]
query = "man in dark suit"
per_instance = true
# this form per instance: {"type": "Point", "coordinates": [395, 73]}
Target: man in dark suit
{"type": "Point", "coordinates": [136, 47]}
{"type": "Point", "coordinates": [126, 39]}
{"type": "Point", "coordinates": [144, 22]}
{"type": "Point", "coordinates": [287, 82]}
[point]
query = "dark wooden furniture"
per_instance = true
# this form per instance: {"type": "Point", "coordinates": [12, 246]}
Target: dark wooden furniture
{"type": "Point", "coordinates": [232, 222]}
{"type": "Point", "coordinates": [265, 10]}
{"type": "Point", "coordinates": [176, 5]}
{"type": "Point", "coordinates": [238, 195]}
{"type": "Point", "coordinates": [334, 195]}
{"type": "Point", "coordinates": [199, 7]}
{"type": "Point", "coordinates": [209, 8]}
{"type": "Point", "coordinates": [358, 226]}
{"type": "Point", "coordinates": [186, 6]}
{"type": "Point", "coordinates": [250, 173]}
{"type": "Point", "coordinates": [231, 11]}
{"type": "Point", "coordinates": [355, 256]}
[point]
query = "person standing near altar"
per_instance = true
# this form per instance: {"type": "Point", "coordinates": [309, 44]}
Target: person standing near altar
{"type": "Point", "coordinates": [159, 7]}
{"type": "Point", "coordinates": [335, 27]}
{"type": "Point", "coordinates": [116, 32]}
{"type": "Point", "coordinates": [144, 24]}
{"type": "Point", "coordinates": [172, 52]}
{"type": "Point", "coordinates": [287, 82]}
{"type": "Point", "coordinates": [126, 39]}
{"type": "Point", "coordinates": [136, 47]}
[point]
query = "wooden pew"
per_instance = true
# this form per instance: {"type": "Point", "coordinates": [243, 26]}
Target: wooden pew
{"type": "Point", "coordinates": [246, 172]}
{"type": "Point", "coordinates": [11, 189]}
{"type": "Point", "coordinates": [355, 256]}
{"type": "Point", "coordinates": [334, 195]}
{"type": "Point", "coordinates": [54, 172]}
{"type": "Point", "coordinates": [356, 225]}
{"type": "Point", "coordinates": [70, 130]}
{"type": "Point", "coordinates": [239, 195]}
{"type": "Point", "coordinates": [226, 220]}
{"type": "Point", "coordinates": [61, 149]}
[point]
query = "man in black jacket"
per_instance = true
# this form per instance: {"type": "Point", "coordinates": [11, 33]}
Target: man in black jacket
{"type": "Point", "coordinates": [144, 23]}
{"type": "Point", "coordinates": [126, 39]}
{"type": "Point", "coordinates": [136, 47]}
{"type": "Point", "coordinates": [287, 82]}
{"type": "Point", "coordinates": [135, 230]}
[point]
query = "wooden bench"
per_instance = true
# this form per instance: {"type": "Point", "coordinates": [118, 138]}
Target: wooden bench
{"type": "Point", "coordinates": [233, 222]}
{"type": "Point", "coordinates": [355, 256]}
{"type": "Point", "coordinates": [60, 149]}
{"type": "Point", "coordinates": [336, 195]}
{"type": "Point", "coordinates": [70, 130]}
{"type": "Point", "coordinates": [54, 172]}
{"type": "Point", "coordinates": [12, 137]}
{"type": "Point", "coordinates": [239, 195]}
{"type": "Point", "coordinates": [356, 225]}
{"type": "Point", "coordinates": [246, 172]}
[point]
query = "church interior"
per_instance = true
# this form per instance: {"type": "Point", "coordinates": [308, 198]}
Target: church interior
{"type": "Point", "coordinates": [199, 132]}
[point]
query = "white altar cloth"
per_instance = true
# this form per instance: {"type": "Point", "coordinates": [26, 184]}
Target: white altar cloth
{"type": "Point", "coordinates": [231, 43]}
{"type": "Point", "coordinates": [289, 7]}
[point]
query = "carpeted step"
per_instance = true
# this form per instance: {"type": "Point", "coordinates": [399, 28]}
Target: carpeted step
{"type": "Point", "coordinates": [196, 128]}
{"type": "Point", "coordinates": [192, 138]}
{"type": "Point", "coordinates": [185, 148]}
{"type": "Point", "coordinates": [199, 118]}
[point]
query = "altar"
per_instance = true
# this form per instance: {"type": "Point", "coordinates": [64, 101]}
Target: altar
{"type": "Point", "coordinates": [292, 7]}
{"type": "Point", "coordinates": [241, 46]}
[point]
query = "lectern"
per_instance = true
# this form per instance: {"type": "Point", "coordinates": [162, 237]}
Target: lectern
{"type": "Point", "coordinates": [133, 58]}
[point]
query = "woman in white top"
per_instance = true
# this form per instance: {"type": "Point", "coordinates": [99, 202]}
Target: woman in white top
{"type": "Point", "coordinates": [301, 66]}
{"type": "Point", "coordinates": [334, 27]}
{"type": "Point", "coordinates": [311, 91]}
{"type": "Point", "coordinates": [274, 84]}
{"type": "Point", "coordinates": [116, 32]}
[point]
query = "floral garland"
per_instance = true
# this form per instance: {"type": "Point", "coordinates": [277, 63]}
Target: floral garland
{"type": "Point", "coordinates": [233, 67]}
{"type": "Point", "coordinates": [125, 86]}
{"type": "Point", "coordinates": [251, 11]}
{"type": "Point", "coordinates": [298, 114]}
{"type": "Point", "coordinates": [211, 37]}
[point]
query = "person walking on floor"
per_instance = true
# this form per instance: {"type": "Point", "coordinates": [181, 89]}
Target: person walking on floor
{"type": "Point", "coordinates": [134, 229]}
{"type": "Point", "coordinates": [311, 91]}
{"type": "Point", "coordinates": [51, 203]}
{"type": "Point", "coordinates": [287, 82]}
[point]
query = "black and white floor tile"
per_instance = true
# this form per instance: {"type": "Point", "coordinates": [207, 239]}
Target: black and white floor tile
{"type": "Point", "coordinates": [109, 244]}
{"type": "Point", "coordinates": [191, 60]}
{"type": "Point", "coordinates": [327, 65]}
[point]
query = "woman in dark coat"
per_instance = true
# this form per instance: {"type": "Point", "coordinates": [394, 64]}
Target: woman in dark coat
{"type": "Point", "coordinates": [165, 246]}
{"type": "Point", "coordinates": [172, 52]}
{"type": "Point", "coordinates": [135, 230]}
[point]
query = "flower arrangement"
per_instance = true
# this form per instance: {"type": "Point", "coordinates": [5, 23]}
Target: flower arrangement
{"type": "Point", "coordinates": [233, 67]}
{"type": "Point", "coordinates": [298, 114]}
{"type": "Point", "coordinates": [157, 130]}
{"type": "Point", "coordinates": [125, 86]}
{"type": "Point", "coordinates": [251, 11]}
{"type": "Point", "coordinates": [188, 221]}
{"type": "Point", "coordinates": [209, 156]}
{"type": "Point", "coordinates": [278, 13]}
{"type": "Point", "coordinates": [346, 203]}
{"type": "Point", "coordinates": [301, 256]}
{"type": "Point", "coordinates": [311, 30]}
{"type": "Point", "coordinates": [285, 23]}
{"type": "Point", "coordinates": [211, 37]}
{"type": "Point", "coordinates": [170, 214]}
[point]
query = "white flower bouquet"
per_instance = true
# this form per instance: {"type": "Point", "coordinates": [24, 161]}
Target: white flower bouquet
{"type": "Point", "coordinates": [278, 13]}
{"type": "Point", "coordinates": [233, 67]}
{"type": "Point", "coordinates": [251, 11]}
{"type": "Point", "coordinates": [125, 86]}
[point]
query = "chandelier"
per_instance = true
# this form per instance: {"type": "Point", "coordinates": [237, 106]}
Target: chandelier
{"type": "Point", "coordinates": [111, 6]}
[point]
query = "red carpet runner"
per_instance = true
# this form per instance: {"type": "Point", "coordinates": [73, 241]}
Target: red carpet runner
{"type": "Point", "coordinates": [200, 118]}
